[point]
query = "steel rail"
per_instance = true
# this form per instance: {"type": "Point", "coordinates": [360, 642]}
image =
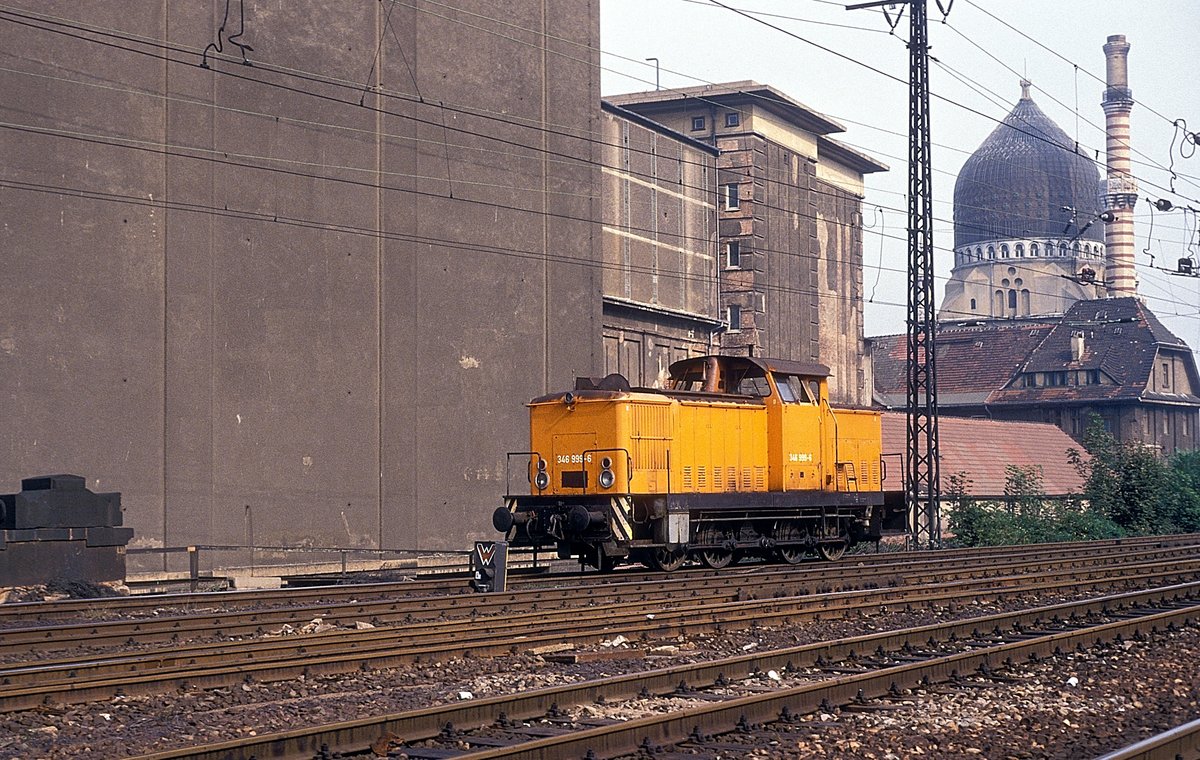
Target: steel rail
{"type": "Point", "coordinates": [1178, 742]}
{"type": "Point", "coordinates": [94, 635]}
{"type": "Point", "coordinates": [515, 626]}
{"type": "Point", "coordinates": [627, 737]}
{"type": "Point", "coordinates": [17, 611]}
{"type": "Point", "coordinates": [428, 723]}
{"type": "Point", "coordinates": [273, 660]}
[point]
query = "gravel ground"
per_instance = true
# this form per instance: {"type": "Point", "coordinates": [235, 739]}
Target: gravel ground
{"type": "Point", "coordinates": [136, 725]}
{"type": "Point", "coordinates": [1074, 706]}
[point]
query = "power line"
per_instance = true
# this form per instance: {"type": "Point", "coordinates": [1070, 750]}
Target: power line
{"type": "Point", "coordinates": [505, 251]}
{"type": "Point", "coordinates": [505, 118]}
{"type": "Point", "coordinates": [876, 70]}
{"type": "Point", "coordinates": [228, 159]}
{"type": "Point", "coordinates": [277, 84]}
{"type": "Point", "coordinates": [1056, 54]}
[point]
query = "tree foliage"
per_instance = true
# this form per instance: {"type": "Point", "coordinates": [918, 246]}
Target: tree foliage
{"type": "Point", "coordinates": [1128, 490]}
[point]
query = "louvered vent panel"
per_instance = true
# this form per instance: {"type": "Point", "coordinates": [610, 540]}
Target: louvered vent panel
{"type": "Point", "coordinates": [651, 432]}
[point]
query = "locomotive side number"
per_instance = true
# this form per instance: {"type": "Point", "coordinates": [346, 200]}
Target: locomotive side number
{"type": "Point", "coordinates": [800, 457]}
{"type": "Point", "coordinates": [573, 458]}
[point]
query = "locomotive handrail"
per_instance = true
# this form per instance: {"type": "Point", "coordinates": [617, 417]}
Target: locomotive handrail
{"type": "Point", "coordinates": [508, 463]}
{"type": "Point", "coordinates": [836, 458]}
{"type": "Point", "coordinates": [883, 460]}
{"type": "Point", "coordinates": [628, 464]}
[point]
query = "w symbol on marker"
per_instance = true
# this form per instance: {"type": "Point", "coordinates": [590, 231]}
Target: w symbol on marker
{"type": "Point", "coordinates": [486, 552]}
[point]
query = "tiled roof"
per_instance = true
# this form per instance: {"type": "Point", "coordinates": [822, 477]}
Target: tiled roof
{"type": "Point", "coordinates": [983, 449]}
{"type": "Point", "coordinates": [980, 364]}
{"type": "Point", "coordinates": [972, 362]}
{"type": "Point", "coordinates": [1121, 337]}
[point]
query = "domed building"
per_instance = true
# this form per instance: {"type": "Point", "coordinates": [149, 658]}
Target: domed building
{"type": "Point", "coordinates": [1037, 324]}
{"type": "Point", "coordinates": [1028, 241]}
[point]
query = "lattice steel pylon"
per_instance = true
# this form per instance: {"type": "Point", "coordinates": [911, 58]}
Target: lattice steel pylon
{"type": "Point", "coordinates": [922, 483]}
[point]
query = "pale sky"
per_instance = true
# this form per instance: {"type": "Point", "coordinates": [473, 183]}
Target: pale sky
{"type": "Point", "coordinates": [698, 42]}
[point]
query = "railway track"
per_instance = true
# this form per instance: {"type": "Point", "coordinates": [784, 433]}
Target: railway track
{"type": "Point", "coordinates": [723, 695]}
{"type": "Point", "coordinates": [633, 612]}
{"type": "Point", "coordinates": [748, 584]}
{"type": "Point", "coordinates": [1179, 742]}
{"type": "Point", "coordinates": [91, 610]}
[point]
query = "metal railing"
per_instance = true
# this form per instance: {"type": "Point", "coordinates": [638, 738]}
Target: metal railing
{"type": "Point", "coordinates": [325, 555]}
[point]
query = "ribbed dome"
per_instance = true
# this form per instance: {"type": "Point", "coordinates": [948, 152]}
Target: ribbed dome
{"type": "Point", "coordinates": [1016, 184]}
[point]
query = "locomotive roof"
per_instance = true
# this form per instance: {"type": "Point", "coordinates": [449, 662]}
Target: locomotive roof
{"type": "Point", "coordinates": [781, 366]}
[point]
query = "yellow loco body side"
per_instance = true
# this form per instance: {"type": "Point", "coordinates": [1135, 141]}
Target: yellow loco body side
{"type": "Point", "coordinates": [737, 457]}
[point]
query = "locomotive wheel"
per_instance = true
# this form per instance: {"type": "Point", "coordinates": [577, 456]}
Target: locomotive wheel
{"type": "Point", "coordinates": [832, 552]}
{"type": "Point", "coordinates": [715, 558]}
{"type": "Point", "coordinates": [666, 560]}
{"type": "Point", "coordinates": [793, 555]}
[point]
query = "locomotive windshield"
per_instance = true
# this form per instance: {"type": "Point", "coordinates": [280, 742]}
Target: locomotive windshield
{"type": "Point", "coordinates": [794, 390]}
{"type": "Point", "coordinates": [744, 376]}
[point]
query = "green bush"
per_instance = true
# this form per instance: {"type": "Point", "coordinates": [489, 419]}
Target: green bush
{"type": "Point", "coordinates": [1128, 490]}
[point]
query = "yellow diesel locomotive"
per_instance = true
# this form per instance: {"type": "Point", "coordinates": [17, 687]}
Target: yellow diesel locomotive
{"type": "Point", "coordinates": [737, 457]}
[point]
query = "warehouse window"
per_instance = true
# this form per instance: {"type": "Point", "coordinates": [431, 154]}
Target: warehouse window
{"type": "Point", "coordinates": [733, 119]}
{"type": "Point", "coordinates": [735, 317]}
{"type": "Point", "coordinates": [729, 197]}
{"type": "Point", "coordinates": [733, 255]}
{"type": "Point", "coordinates": [697, 123]}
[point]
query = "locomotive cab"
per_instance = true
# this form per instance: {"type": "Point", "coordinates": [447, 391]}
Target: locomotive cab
{"type": "Point", "coordinates": [736, 457]}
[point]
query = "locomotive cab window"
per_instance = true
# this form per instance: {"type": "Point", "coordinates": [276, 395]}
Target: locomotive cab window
{"type": "Point", "coordinates": [750, 381]}
{"type": "Point", "coordinates": [785, 390]}
{"type": "Point", "coordinates": [692, 380]}
{"type": "Point", "coordinates": [793, 390]}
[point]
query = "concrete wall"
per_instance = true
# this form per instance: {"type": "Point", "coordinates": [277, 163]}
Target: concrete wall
{"type": "Point", "coordinates": [276, 299]}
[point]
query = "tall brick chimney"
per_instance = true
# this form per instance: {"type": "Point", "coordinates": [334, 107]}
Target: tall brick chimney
{"type": "Point", "coordinates": [1118, 191]}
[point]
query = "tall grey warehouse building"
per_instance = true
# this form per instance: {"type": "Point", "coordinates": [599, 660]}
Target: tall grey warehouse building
{"type": "Point", "coordinates": [306, 298]}
{"type": "Point", "coordinates": [303, 289]}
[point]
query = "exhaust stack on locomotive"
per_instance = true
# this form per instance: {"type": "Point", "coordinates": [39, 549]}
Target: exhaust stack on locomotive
{"type": "Point", "coordinates": [737, 456]}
